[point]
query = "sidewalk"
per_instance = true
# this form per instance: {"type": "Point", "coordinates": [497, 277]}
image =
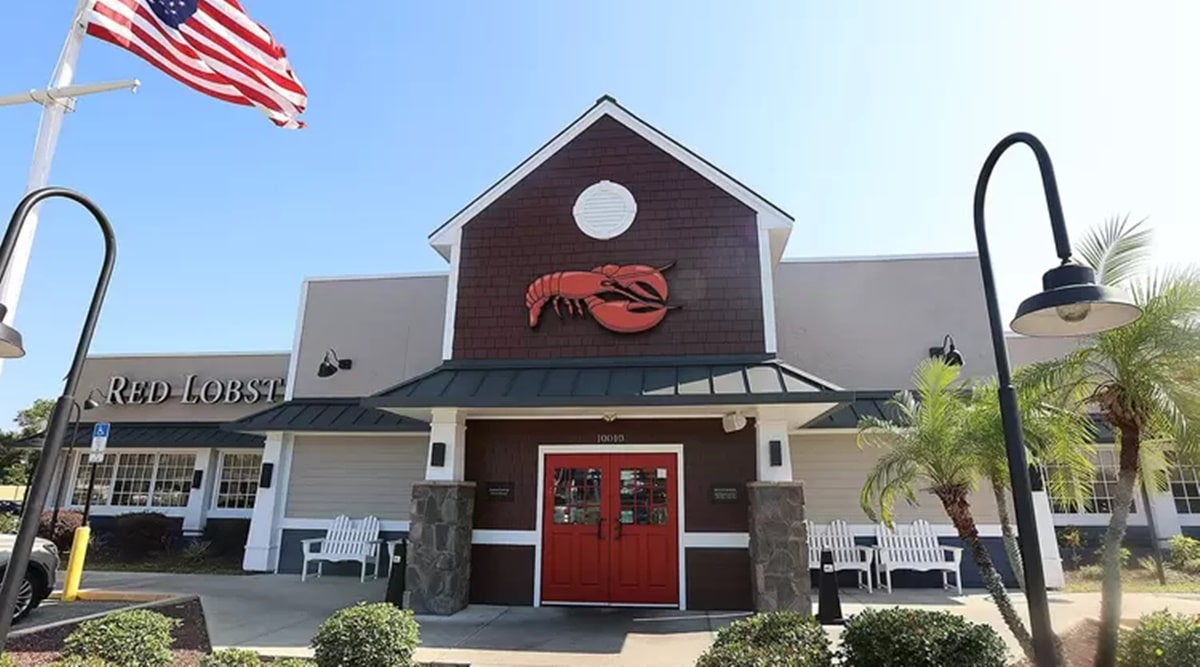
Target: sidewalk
{"type": "Point", "coordinates": [277, 615]}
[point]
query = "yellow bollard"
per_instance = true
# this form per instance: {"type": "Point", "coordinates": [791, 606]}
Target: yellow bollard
{"type": "Point", "coordinates": [79, 547]}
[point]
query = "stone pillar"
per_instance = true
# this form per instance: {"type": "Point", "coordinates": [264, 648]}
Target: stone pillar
{"type": "Point", "coordinates": [779, 547]}
{"type": "Point", "coordinates": [438, 578]}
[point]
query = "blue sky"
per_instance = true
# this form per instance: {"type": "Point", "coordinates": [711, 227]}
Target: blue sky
{"type": "Point", "coordinates": [867, 120]}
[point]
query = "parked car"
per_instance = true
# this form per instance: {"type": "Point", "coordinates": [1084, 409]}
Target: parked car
{"type": "Point", "coordinates": [39, 576]}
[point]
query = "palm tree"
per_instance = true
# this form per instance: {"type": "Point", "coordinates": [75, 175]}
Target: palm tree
{"type": "Point", "coordinates": [1144, 379]}
{"type": "Point", "coordinates": [924, 447]}
{"type": "Point", "coordinates": [1058, 435]}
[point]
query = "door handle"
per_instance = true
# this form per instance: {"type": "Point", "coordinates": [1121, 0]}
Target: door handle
{"type": "Point", "coordinates": [618, 536]}
{"type": "Point", "coordinates": [600, 529]}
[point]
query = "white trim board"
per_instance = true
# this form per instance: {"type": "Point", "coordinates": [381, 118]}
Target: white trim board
{"type": "Point", "coordinates": [770, 215]}
{"type": "Point", "coordinates": [543, 450]}
{"type": "Point", "coordinates": [185, 355]}
{"type": "Point", "coordinates": [879, 258]}
{"type": "Point", "coordinates": [377, 276]}
{"type": "Point", "coordinates": [294, 360]}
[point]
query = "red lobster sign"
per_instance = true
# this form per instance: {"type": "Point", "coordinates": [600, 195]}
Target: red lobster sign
{"type": "Point", "coordinates": [624, 299]}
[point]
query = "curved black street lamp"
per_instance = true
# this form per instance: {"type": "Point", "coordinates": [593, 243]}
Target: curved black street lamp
{"type": "Point", "coordinates": [1071, 304]}
{"type": "Point", "coordinates": [11, 347]}
{"type": "Point", "coordinates": [60, 494]}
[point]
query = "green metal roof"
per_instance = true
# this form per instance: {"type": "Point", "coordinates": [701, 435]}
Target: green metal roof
{"type": "Point", "coordinates": [326, 415]}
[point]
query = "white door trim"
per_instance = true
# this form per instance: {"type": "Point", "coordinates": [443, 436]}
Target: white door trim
{"type": "Point", "coordinates": [543, 450]}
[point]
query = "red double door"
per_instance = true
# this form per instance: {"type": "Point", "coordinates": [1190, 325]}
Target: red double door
{"type": "Point", "coordinates": [610, 532]}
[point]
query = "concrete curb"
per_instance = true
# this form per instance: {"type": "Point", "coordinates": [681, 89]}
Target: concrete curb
{"type": "Point", "coordinates": [100, 595]}
{"type": "Point", "coordinates": [159, 601]}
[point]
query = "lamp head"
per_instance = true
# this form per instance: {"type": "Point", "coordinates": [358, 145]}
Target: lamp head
{"type": "Point", "coordinates": [1072, 304]}
{"type": "Point", "coordinates": [11, 346]}
{"type": "Point", "coordinates": [332, 364]}
{"type": "Point", "coordinates": [948, 352]}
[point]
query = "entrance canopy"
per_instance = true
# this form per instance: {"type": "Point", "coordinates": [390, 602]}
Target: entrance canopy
{"type": "Point", "coordinates": [626, 382]}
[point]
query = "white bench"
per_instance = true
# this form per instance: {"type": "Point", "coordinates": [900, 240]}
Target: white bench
{"type": "Point", "coordinates": [837, 538]}
{"type": "Point", "coordinates": [915, 547]}
{"type": "Point", "coordinates": [345, 540]}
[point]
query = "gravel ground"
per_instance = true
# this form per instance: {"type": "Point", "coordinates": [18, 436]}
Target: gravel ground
{"type": "Point", "coordinates": [191, 638]}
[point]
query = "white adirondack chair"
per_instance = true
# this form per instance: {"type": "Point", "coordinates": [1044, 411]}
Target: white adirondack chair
{"type": "Point", "coordinates": [916, 547]}
{"type": "Point", "coordinates": [345, 540]}
{"type": "Point", "coordinates": [837, 538]}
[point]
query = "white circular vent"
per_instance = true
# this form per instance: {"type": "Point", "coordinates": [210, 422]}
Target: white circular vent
{"type": "Point", "coordinates": [605, 210]}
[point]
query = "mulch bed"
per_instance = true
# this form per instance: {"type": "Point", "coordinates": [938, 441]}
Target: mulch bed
{"type": "Point", "coordinates": [191, 638]}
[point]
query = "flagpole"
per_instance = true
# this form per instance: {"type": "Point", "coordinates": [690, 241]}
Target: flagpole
{"type": "Point", "coordinates": [43, 153]}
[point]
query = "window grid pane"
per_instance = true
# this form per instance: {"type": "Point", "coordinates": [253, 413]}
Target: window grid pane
{"type": "Point", "coordinates": [238, 484]}
{"type": "Point", "coordinates": [104, 475]}
{"type": "Point", "coordinates": [1185, 486]}
{"type": "Point", "coordinates": [1104, 489]}
{"type": "Point", "coordinates": [131, 487]}
{"type": "Point", "coordinates": [173, 480]}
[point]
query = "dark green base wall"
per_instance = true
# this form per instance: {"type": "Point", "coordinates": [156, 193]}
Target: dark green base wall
{"type": "Point", "coordinates": [291, 559]}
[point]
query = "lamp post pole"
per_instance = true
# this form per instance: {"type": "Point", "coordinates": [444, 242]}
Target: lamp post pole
{"type": "Point", "coordinates": [1014, 443]}
{"type": "Point", "coordinates": [14, 573]}
{"type": "Point", "coordinates": [59, 493]}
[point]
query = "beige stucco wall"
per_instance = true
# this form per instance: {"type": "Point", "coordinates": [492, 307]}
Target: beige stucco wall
{"type": "Point", "coordinates": [866, 323]}
{"type": "Point", "coordinates": [391, 328]}
{"type": "Point", "coordinates": [98, 370]}
{"type": "Point", "coordinates": [833, 469]}
{"type": "Point", "coordinates": [355, 475]}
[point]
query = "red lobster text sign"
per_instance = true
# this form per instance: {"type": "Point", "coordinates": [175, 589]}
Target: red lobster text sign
{"type": "Point", "coordinates": [624, 299]}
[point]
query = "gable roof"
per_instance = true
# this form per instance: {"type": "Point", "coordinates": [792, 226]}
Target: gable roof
{"type": "Point", "coordinates": [771, 217]}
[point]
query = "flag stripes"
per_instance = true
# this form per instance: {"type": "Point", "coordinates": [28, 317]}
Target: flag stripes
{"type": "Point", "coordinates": [218, 50]}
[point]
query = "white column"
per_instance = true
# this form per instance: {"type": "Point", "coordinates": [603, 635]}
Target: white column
{"type": "Point", "coordinates": [1166, 518]}
{"type": "Point", "coordinates": [447, 432]}
{"type": "Point", "coordinates": [199, 498]}
{"type": "Point", "coordinates": [1048, 541]}
{"type": "Point", "coordinates": [771, 426]}
{"type": "Point", "coordinates": [262, 544]}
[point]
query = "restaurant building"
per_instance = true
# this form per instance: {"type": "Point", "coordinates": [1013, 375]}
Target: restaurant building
{"type": "Point", "coordinates": [617, 363]}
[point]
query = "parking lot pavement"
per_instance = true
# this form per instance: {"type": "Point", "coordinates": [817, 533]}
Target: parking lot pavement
{"type": "Point", "coordinates": [54, 611]}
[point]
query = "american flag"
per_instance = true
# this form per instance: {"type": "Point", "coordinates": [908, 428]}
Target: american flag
{"type": "Point", "coordinates": [210, 45]}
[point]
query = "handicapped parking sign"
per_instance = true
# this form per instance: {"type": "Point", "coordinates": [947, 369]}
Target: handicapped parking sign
{"type": "Point", "coordinates": [99, 442]}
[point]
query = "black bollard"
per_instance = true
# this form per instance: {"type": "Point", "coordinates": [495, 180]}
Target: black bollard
{"type": "Point", "coordinates": [829, 605]}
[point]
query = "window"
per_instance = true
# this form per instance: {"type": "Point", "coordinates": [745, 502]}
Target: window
{"type": "Point", "coordinates": [1104, 489]}
{"type": "Point", "coordinates": [1185, 487]}
{"type": "Point", "coordinates": [103, 485]}
{"type": "Point", "coordinates": [238, 484]}
{"type": "Point", "coordinates": [173, 481]}
{"type": "Point", "coordinates": [136, 480]}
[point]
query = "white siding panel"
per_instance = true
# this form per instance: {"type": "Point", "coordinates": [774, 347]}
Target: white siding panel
{"type": "Point", "coordinates": [355, 475]}
{"type": "Point", "coordinates": [833, 470]}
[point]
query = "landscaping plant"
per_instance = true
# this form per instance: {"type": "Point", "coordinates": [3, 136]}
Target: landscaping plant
{"type": "Point", "coordinates": [776, 639]}
{"type": "Point", "coordinates": [367, 635]}
{"type": "Point", "coordinates": [8, 526]}
{"type": "Point", "coordinates": [232, 657]}
{"type": "Point", "coordinates": [140, 534]}
{"type": "Point", "coordinates": [924, 448]}
{"type": "Point", "coordinates": [1161, 639]}
{"type": "Point", "coordinates": [292, 662]}
{"type": "Point", "coordinates": [1144, 378]}
{"type": "Point", "coordinates": [78, 661]}
{"type": "Point", "coordinates": [61, 533]}
{"type": "Point", "coordinates": [137, 638]}
{"type": "Point", "coordinates": [904, 637]}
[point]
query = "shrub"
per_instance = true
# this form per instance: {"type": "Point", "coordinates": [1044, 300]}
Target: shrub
{"type": "Point", "coordinates": [196, 551]}
{"type": "Point", "coordinates": [1183, 549]}
{"type": "Point", "coordinates": [778, 639]}
{"type": "Point", "coordinates": [140, 534]}
{"type": "Point", "coordinates": [916, 638]}
{"type": "Point", "coordinates": [227, 536]}
{"type": "Point", "coordinates": [7, 661]}
{"type": "Point", "coordinates": [1094, 572]}
{"type": "Point", "coordinates": [292, 662]}
{"type": "Point", "coordinates": [137, 638]}
{"type": "Point", "coordinates": [232, 657]}
{"type": "Point", "coordinates": [367, 635]}
{"type": "Point", "coordinates": [63, 532]}
{"type": "Point", "coordinates": [1124, 555]}
{"type": "Point", "coordinates": [1161, 639]}
{"type": "Point", "coordinates": [8, 526]}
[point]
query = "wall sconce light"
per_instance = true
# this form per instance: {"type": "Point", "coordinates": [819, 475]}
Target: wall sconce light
{"type": "Point", "coordinates": [947, 351]}
{"type": "Point", "coordinates": [332, 364]}
{"type": "Point", "coordinates": [610, 417]}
